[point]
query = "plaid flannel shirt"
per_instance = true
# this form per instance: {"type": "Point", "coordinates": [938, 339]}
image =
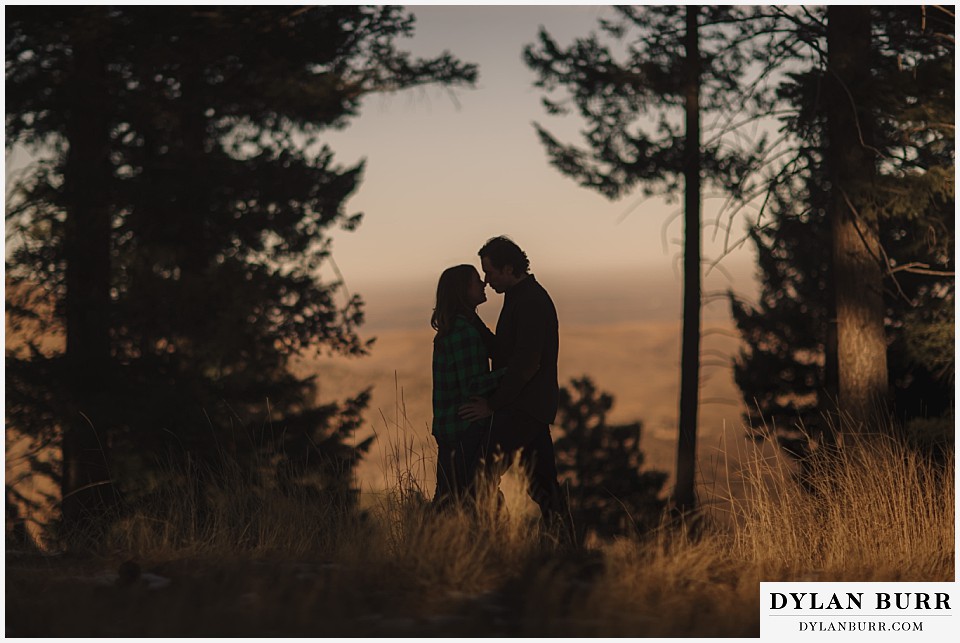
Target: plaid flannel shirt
{"type": "Point", "coordinates": [461, 369]}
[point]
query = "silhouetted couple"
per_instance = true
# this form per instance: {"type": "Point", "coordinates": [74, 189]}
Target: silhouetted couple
{"type": "Point", "coordinates": [481, 417]}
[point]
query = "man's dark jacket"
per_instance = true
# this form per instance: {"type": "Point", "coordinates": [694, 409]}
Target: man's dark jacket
{"type": "Point", "coordinates": [527, 345]}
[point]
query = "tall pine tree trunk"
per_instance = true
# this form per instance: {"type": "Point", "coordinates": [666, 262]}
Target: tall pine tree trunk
{"type": "Point", "coordinates": [85, 484]}
{"type": "Point", "coordinates": [861, 340]}
{"type": "Point", "coordinates": [685, 492]}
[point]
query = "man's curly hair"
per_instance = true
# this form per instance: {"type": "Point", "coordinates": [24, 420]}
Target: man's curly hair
{"type": "Point", "coordinates": [502, 252]}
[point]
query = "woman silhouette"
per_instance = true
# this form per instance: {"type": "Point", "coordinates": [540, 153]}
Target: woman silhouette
{"type": "Point", "coordinates": [461, 369]}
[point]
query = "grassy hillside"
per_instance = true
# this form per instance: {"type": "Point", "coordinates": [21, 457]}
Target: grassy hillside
{"type": "Point", "coordinates": [634, 361]}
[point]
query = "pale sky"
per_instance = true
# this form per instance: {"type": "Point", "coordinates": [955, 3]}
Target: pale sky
{"type": "Point", "coordinates": [448, 169]}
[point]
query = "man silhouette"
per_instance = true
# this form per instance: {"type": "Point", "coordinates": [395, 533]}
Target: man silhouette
{"type": "Point", "coordinates": [525, 403]}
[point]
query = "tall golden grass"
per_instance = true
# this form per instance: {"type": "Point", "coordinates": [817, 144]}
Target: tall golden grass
{"type": "Point", "coordinates": [874, 509]}
{"type": "Point", "coordinates": [263, 560]}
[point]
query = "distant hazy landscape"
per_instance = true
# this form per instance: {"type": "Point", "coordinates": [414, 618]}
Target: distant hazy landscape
{"type": "Point", "coordinates": [624, 332]}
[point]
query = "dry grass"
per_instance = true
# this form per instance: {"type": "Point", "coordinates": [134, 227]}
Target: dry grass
{"type": "Point", "coordinates": [258, 561]}
{"type": "Point", "coordinates": [875, 510]}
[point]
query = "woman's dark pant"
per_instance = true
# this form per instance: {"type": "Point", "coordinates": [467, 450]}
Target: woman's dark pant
{"type": "Point", "coordinates": [457, 465]}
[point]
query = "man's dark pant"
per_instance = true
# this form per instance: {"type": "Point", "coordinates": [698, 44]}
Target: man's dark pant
{"type": "Point", "coordinates": [512, 430]}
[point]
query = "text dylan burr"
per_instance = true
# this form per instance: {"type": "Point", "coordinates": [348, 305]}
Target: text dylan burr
{"type": "Point", "coordinates": [855, 601]}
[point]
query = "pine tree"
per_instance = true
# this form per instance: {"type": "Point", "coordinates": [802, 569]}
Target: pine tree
{"type": "Point", "coordinates": [179, 223]}
{"type": "Point", "coordinates": [600, 464]}
{"type": "Point", "coordinates": [851, 159]}
{"type": "Point", "coordinates": [785, 372]}
{"type": "Point", "coordinates": [643, 115]}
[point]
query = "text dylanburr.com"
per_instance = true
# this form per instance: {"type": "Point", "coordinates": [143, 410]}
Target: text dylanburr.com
{"type": "Point", "coordinates": [797, 611]}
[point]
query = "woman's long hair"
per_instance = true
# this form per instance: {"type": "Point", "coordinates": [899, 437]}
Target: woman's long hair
{"type": "Point", "coordinates": [452, 297]}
